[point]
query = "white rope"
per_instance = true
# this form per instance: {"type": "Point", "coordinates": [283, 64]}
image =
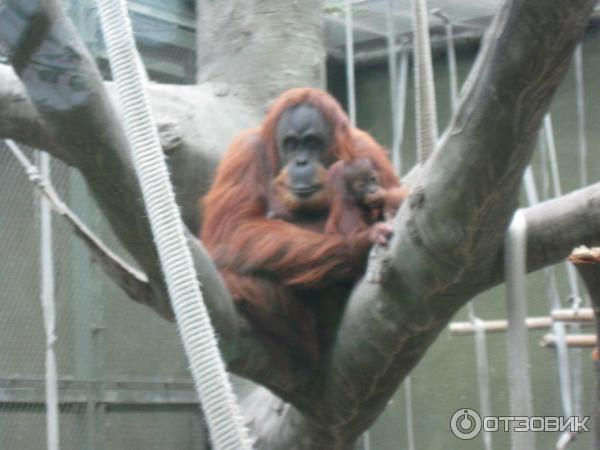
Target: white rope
{"type": "Point", "coordinates": [216, 395]}
{"type": "Point", "coordinates": [517, 338]}
{"type": "Point", "coordinates": [426, 115]}
{"type": "Point", "coordinates": [49, 311]}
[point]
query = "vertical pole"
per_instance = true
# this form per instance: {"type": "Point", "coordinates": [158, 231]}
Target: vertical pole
{"type": "Point", "coordinates": [517, 338]}
{"type": "Point", "coordinates": [49, 313]}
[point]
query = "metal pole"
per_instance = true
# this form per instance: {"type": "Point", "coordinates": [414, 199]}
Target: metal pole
{"type": "Point", "coordinates": [48, 306]}
{"type": "Point", "coordinates": [517, 338]}
{"type": "Point", "coordinates": [410, 432]}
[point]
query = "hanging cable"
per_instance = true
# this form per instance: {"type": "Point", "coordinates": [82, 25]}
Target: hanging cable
{"type": "Point", "coordinates": [49, 310]}
{"type": "Point", "coordinates": [216, 395]}
{"type": "Point", "coordinates": [581, 117]}
{"type": "Point", "coordinates": [517, 338]}
{"type": "Point", "coordinates": [400, 102]}
{"type": "Point", "coordinates": [426, 114]}
{"type": "Point", "coordinates": [392, 63]}
{"type": "Point", "coordinates": [583, 176]}
{"type": "Point", "coordinates": [350, 63]}
{"type": "Point", "coordinates": [451, 57]}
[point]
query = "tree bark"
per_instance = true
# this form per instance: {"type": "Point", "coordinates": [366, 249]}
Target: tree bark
{"type": "Point", "coordinates": [261, 48]}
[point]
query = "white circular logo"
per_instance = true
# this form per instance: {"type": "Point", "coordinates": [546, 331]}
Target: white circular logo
{"type": "Point", "coordinates": [465, 423]}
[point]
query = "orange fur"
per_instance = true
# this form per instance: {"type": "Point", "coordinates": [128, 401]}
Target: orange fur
{"type": "Point", "coordinates": [272, 266]}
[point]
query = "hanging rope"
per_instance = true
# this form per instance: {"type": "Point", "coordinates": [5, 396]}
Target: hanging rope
{"type": "Point", "coordinates": [400, 102]}
{"type": "Point", "coordinates": [581, 118]}
{"type": "Point", "coordinates": [583, 176]}
{"type": "Point", "coordinates": [426, 115]}
{"type": "Point", "coordinates": [349, 27]}
{"type": "Point", "coordinates": [392, 63]}
{"type": "Point", "coordinates": [215, 392]}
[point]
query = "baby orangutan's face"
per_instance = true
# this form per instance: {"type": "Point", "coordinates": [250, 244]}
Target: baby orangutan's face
{"type": "Point", "coordinates": [363, 184]}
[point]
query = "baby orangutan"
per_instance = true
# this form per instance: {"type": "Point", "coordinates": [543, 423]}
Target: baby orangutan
{"type": "Point", "coordinates": [358, 199]}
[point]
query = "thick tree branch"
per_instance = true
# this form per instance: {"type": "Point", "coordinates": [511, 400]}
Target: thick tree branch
{"type": "Point", "coordinates": [261, 48]}
{"type": "Point", "coordinates": [462, 201]}
{"type": "Point", "coordinates": [193, 153]}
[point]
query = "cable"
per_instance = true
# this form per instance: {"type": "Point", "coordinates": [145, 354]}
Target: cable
{"type": "Point", "coordinates": [216, 395]}
{"type": "Point", "coordinates": [400, 109]}
{"type": "Point", "coordinates": [351, 89]}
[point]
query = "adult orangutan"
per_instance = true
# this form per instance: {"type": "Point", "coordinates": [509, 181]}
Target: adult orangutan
{"type": "Point", "coordinates": [278, 270]}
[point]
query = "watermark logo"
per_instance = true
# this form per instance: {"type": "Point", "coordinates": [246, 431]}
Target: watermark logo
{"type": "Point", "coordinates": [466, 423]}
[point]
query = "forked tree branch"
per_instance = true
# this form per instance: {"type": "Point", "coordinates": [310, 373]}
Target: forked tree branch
{"type": "Point", "coordinates": [448, 235]}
